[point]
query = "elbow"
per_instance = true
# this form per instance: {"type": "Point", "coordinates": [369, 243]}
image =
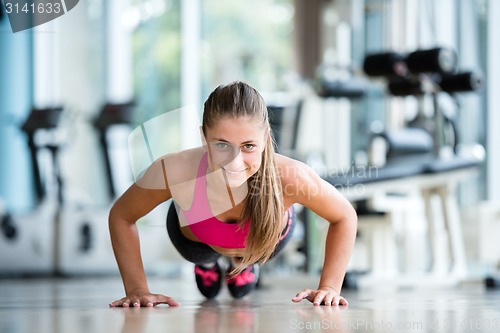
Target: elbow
{"type": "Point", "coordinates": [115, 215]}
{"type": "Point", "coordinates": [348, 220]}
{"type": "Point", "coordinates": [113, 212]}
{"type": "Point", "coordinates": [351, 217]}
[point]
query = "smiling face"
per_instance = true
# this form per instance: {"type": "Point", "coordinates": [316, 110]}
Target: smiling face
{"type": "Point", "coordinates": [235, 146]}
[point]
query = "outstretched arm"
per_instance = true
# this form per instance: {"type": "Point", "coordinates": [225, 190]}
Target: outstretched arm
{"type": "Point", "coordinates": [324, 200]}
{"type": "Point", "coordinates": [132, 205]}
{"type": "Point", "coordinates": [337, 253]}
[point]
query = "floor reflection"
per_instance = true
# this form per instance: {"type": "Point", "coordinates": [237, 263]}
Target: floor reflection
{"type": "Point", "coordinates": [80, 306]}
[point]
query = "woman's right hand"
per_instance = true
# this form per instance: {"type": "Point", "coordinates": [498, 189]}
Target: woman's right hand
{"type": "Point", "coordinates": [145, 299]}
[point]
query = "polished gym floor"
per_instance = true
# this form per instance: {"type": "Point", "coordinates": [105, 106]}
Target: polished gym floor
{"type": "Point", "coordinates": [80, 305]}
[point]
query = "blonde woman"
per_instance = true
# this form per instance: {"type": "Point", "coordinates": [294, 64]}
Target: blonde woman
{"type": "Point", "coordinates": [232, 197]}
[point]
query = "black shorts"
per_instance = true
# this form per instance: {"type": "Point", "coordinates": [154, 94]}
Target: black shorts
{"type": "Point", "coordinates": [200, 253]}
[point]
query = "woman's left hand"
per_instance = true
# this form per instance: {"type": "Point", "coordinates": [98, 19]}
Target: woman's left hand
{"type": "Point", "coordinates": [321, 296]}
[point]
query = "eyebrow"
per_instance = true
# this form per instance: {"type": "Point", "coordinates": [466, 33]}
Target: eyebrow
{"type": "Point", "coordinates": [243, 143]}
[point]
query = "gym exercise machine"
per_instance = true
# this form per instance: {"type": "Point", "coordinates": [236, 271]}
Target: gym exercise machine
{"type": "Point", "coordinates": [63, 235]}
{"type": "Point", "coordinates": [84, 245]}
{"type": "Point", "coordinates": [423, 155]}
{"type": "Point", "coordinates": [27, 240]}
{"type": "Point", "coordinates": [424, 74]}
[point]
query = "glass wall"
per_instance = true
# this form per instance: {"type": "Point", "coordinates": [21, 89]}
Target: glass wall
{"type": "Point", "coordinates": [156, 45]}
{"type": "Point", "coordinates": [16, 93]}
{"type": "Point", "coordinates": [234, 46]}
{"type": "Point", "coordinates": [246, 40]}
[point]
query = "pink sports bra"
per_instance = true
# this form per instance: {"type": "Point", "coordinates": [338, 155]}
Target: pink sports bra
{"type": "Point", "coordinates": [212, 231]}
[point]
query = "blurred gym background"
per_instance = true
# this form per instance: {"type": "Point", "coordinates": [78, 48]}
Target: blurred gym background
{"type": "Point", "coordinates": [392, 101]}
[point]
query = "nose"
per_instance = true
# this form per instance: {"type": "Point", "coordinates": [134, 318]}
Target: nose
{"type": "Point", "coordinates": [237, 161]}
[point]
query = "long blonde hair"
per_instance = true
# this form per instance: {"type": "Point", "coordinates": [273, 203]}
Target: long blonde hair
{"type": "Point", "coordinates": [264, 204]}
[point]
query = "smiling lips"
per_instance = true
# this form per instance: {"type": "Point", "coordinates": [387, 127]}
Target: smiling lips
{"type": "Point", "coordinates": [233, 172]}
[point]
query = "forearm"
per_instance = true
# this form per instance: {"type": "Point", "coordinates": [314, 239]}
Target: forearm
{"type": "Point", "coordinates": [338, 250]}
{"type": "Point", "coordinates": [126, 247]}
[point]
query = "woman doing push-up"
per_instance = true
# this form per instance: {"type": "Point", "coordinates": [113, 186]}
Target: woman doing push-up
{"type": "Point", "coordinates": [233, 197]}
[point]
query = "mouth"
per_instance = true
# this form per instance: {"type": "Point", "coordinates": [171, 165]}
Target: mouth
{"type": "Point", "coordinates": [235, 173]}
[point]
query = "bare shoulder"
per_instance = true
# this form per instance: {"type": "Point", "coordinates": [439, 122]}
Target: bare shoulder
{"type": "Point", "coordinates": [183, 166]}
{"type": "Point", "coordinates": [172, 169]}
{"type": "Point", "coordinates": [294, 172]}
{"type": "Point", "coordinates": [301, 184]}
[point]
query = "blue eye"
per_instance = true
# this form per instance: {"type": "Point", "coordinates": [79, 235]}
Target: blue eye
{"type": "Point", "coordinates": [222, 146]}
{"type": "Point", "coordinates": [249, 146]}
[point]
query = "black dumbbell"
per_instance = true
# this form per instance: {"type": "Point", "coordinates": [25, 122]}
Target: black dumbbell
{"type": "Point", "coordinates": [400, 86]}
{"type": "Point", "coordinates": [461, 82]}
{"type": "Point", "coordinates": [437, 60]}
{"type": "Point", "coordinates": [385, 64]}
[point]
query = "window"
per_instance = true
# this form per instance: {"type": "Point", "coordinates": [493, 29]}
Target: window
{"type": "Point", "coordinates": [157, 55]}
{"type": "Point", "coordinates": [246, 40]}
